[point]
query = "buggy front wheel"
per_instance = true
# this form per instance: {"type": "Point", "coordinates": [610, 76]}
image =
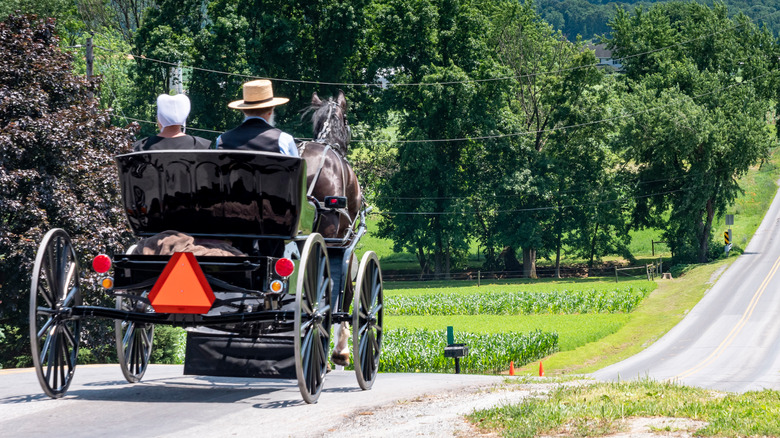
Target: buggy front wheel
{"type": "Point", "coordinates": [367, 319]}
{"type": "Point", "coordinates": [312, 318]}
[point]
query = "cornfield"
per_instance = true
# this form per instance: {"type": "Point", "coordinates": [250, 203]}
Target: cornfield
{"type": "Point", "coordinates": [619, 300]}
{"type": "Point", "coordinates": [423, 351]}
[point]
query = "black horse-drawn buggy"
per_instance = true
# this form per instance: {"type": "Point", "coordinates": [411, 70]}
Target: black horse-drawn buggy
{"type": "Point", "coordinates": [267, 312]}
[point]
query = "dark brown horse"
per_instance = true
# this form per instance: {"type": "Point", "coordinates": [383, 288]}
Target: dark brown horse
{"type": "Point", "coordinates": [329, 174]}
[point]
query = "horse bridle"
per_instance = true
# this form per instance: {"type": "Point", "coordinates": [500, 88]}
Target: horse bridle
{"type": "Point", "coordinates": [321, 138]}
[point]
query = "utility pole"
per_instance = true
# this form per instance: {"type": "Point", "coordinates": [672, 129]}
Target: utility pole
{"type": "Point", "coordinates": [90, 55]}
{"type": "Point", "coordinates": [176, 81]}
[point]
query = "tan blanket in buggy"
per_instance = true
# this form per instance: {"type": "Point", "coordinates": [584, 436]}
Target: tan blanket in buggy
{"type": "Point", "coordinates": [169, 242]}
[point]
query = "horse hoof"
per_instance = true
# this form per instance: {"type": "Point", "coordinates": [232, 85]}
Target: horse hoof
{"type": "Point", "coordinates": [340, 359]}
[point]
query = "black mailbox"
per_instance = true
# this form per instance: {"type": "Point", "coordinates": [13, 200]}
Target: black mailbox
{"type": "Point", "coordinates": [457, 351]}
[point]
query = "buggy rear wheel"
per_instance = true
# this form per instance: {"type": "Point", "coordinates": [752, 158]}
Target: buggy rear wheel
{"type": "Point", "coordinates": [312, 318]}
{"type": "Point", "coordinates": [133, 340]}
{"type": "Point", "coordinates": [367, 319]}
{"type": "Point", "coordinates": [54, 331]}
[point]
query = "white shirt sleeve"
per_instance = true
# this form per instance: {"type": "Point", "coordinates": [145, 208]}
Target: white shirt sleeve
{"type": "Point", "coordinates": [287, 145]}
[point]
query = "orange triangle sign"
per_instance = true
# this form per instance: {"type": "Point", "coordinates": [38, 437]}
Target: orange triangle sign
{"type": "Point", "coordinates": [182, 287]}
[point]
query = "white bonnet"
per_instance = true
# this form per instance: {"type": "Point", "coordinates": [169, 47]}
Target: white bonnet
{"type": "Point", "coordinates": [172, 110]}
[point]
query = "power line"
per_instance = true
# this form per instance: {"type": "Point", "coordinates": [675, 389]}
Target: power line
{"type": "Point", "coordinates": [528, 209]}
{"type": "Point", "coordinates": [420, 84]}
{"type": "Point", "coordinates": [518, 134]}
{"type": "Point", "coordinates": [561, 128]}
{"type": "Point", "coordinates": [637, 182]}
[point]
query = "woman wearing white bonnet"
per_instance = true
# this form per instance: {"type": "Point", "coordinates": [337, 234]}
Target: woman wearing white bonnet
{"type": "Point", "coordinates": [172, 112]}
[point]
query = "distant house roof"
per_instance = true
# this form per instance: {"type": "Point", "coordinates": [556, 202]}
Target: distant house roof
{"type": "Point", "coordinates": [601, 50]}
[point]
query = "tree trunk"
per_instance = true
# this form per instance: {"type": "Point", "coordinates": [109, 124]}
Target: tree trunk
{"type": "Point", "coordinates": [704, 237]}
{"type": "Point", "coordinates": [558, 260]}
{"type": "Point", "coordinates": [529, 263]}
{"type": "Point", "coordinates": [593, 246]}
{"type": "Point", "coordinates": [423, 260]}
{"type": "Point", "coordinates": [438, 261]}
{"type": "Point", "coordinates": [447, 260]}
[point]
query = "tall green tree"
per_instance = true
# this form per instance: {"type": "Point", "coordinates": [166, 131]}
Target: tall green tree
{"type": "Point", "coordinates": [430, 200]}
{"type": "Point", "coordinates": [296, 42]}
{"type": "Point", "coordinates": [699, 108]}
{"type": "Point", "coordinates": [556, 85]}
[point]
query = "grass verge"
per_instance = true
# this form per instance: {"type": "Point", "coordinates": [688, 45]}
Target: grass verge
{"type": "Point", "coordinates": [603, 408]}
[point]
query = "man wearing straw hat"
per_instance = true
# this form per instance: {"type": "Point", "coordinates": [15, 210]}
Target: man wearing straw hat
{"type": "Point", "coordinates": [257, 132]}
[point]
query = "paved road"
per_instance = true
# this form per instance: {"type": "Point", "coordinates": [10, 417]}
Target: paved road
{"type": "Point", "coordinates": [731, 340]}
{"type": "Point", "coordinates": [101, 403]}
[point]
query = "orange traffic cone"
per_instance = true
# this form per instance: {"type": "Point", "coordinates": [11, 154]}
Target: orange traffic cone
{"type": "Point", "coordinates": [541, 369]}
{"type": "Point", "coordinates": [512, 368]}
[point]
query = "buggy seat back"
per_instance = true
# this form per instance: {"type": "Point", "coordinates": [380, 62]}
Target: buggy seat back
{"type": "Point", "coordinates": [215, 193]}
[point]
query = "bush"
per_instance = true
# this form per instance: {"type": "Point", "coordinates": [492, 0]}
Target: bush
{"type": "Point", "coordinates": [169, 344]}
{"type": "Point", "coordinates": [56, 171]}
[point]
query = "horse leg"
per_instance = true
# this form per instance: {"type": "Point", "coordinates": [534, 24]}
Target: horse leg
{"type": "Point", "coordinates": [340, 355]}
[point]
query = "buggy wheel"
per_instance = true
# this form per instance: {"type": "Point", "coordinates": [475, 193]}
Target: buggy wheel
{"type": "Point", "coordinates": [312, 318]}
{"type": "Point", "coordinates": [133, 340]}
{"type": "Point", "coordinates": [367, 318]}
{"type": "Point", "coordinates": [54, 332]}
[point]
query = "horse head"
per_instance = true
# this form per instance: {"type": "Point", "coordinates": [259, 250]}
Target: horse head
{"type": "Point", "coordinates": [329, 122]}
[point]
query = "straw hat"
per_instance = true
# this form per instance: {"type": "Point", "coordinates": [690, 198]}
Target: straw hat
{"type": "Point", "coordinates": [258, 94]}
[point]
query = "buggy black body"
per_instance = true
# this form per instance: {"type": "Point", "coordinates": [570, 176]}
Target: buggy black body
{"type": "Point", "coordinates": [269, 311]}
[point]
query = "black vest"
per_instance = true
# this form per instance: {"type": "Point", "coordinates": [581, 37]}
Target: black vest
{"type": "Point", "coordinates": [252, 135]}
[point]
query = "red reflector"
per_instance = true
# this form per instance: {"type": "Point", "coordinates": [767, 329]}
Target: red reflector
{"type": "Point", "coordinates": [182, 287]}
{"type": "Point", "coordinates": [284, 267]}
{"type": "Point", "coordinates": [101, 263]}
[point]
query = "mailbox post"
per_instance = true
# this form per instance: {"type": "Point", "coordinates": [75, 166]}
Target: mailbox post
{"type": "Point", "coordinates": [455, 350]}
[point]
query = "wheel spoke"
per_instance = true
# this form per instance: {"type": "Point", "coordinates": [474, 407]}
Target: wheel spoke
{"type": "Point", "coordinates": [54, 358]}
{"type": "Point", "coordinates": [43, 329]}
{"type": "Point", "coordinates": [323, 355]}
{"type": "Point", "coordinates": [322, 291]}
{"type": "Point", "coordinates": [322, 331]}
{"type": "Point", "coordinates": [48, 268]}
{"type": "Point", "coordinates": [363, 346]}
{"type": "Point", "coordinates": [61, 259]}
{"type": "Point", "coordinates": [68, 335]}
{"type": "Point", "coordinates": [306, 352]}
{"type": "Point", "coordinates": [74, 291]}
{"type": "Point", "coordinates": [143, 346]}
{"type": "Point", "coordinates": [323, 264]}
{"type": "Point", "coordinates": [46, 350]}
{"type": "Point", "coordinates": [69, 285]}
{"type": "Point", "coordinates": [306, 305]}
{"type": "Point", "coordinates": [63, 362]}
{"type": "Point", "coordinates": [127, 339]}
{"type": "Point", "coordinates": [375, 293]}
{"type": "Point", "coordinates": [373, 339]}
{"type": "Point", "coordinates": [69, 357]}
{"type": "Point", "coordinates": [129, 343]}
{"type": "Point", "coordinates": [46, 294]}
